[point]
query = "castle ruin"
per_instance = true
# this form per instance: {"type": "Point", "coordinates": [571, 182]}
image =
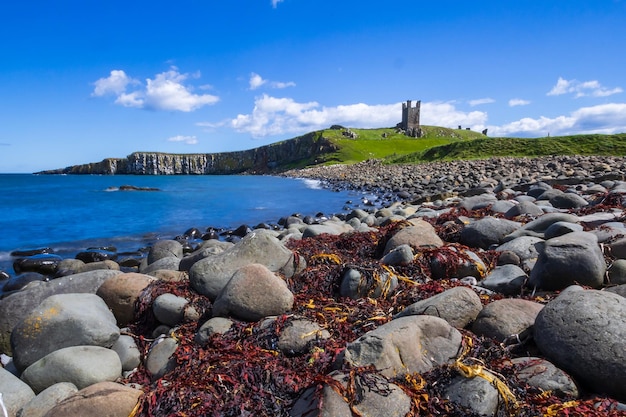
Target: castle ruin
{"type": "Point", "coordinates": [411, 119]}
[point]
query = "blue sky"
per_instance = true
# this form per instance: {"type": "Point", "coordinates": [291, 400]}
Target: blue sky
{"type": "Point", "coordinates": [81, 81]}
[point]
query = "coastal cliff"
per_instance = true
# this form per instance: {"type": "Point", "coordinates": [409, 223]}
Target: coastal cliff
{"type": "Point", "coordinates": [275, 157]}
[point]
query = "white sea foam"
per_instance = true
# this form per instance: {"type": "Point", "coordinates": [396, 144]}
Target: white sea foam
{"type": "Point", "coordinates": [313, 184]}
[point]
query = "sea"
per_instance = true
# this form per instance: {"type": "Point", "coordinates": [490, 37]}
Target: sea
{"type": "Point", "coordinates": [69, 213]}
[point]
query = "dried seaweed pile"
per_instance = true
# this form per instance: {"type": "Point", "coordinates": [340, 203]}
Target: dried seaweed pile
{"type": "Point", "coordinates": [243, 373]}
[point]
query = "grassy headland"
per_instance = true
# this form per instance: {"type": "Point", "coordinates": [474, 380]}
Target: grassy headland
{"type": "Point", "coordinates": [443, 144]}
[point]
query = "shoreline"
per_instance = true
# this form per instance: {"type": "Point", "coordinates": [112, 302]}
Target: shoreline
{"type": "Point", "coordinates": [386, 185]}
{"type": "Point", "coordinates": [463, 275]}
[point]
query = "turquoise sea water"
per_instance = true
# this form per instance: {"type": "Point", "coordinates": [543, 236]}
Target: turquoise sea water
{"type": "Point", "coordinates": [72, 212]}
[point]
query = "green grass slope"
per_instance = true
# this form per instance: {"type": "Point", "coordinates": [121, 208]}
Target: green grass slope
{"type": "Point", "coordinates": [612, 145]}
{"type": "Point", "coordinates": [387, 143]}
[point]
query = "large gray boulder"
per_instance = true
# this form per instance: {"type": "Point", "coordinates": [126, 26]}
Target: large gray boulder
{"type": "Point", "coordinates": [160, 359]}
{"type": "Point", "coordinates": [47, 399]}
{"type": "Point", "coordinates": [503, 318]}
{"type": "Point", "coordinates": [486, 232]}
{"type": "Point", "coordinates": [574, 258]}
{"type": "Point", "coordinates": [584, 333]}
{"type": "Point", "coordinates": [253, 292]}
{"type": "Point", "coordinates": [538, 226]}
{"type": "Point", "coordinates": [458, 306]}
{"type": "Point", "coordinates": [15, 393]}
{"type": "Point", "coordinates": [377, 397]}
{"type": "Point", "coordinates": [165, 249]}
{"type": "Point", "coordinates": [544, 375]}
{"type": "Point", "coordinates": [80, 365]}
{"type": "Point", "coordinates": [209, 276]}
{"type": "Point", "coordinates": [61, 321]}
{"type": "Point", "coordinates": [420, 235]}
{"type": "Point", "coordinates": [505, 279]}
{"type": "Point", "coordinates": [121, 292]}
{"type": "Point", "coordinates": [475, 394]}
{"type": "Point", "coordinates": [405, 345]}
{"type": "Point", "coordinates": [14, 307]}
{"type": "Point", "coordinates": [118, 400]}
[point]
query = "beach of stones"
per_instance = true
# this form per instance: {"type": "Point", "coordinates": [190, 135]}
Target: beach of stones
{"type": "Point", "coordinates": [557, 224]}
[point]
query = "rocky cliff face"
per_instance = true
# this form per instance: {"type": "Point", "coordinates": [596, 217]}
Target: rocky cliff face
{"type": "Point", "coordinates": [266, 159]}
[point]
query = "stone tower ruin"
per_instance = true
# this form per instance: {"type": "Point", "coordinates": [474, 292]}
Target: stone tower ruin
{"type": "Point", "coordinates": [411, 119]}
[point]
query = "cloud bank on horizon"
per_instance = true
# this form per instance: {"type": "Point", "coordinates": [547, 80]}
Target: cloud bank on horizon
{"type": "Point", "coordinates": [276, 116]}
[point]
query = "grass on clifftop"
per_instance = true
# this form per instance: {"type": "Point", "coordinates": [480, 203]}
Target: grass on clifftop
{"type": "Point", "coordinates": [386, 143]}
{"type": "Point", "coordinates": [610, 145]}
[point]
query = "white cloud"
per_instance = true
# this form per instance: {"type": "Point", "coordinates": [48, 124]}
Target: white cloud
{"type": "Point", "coordinates": [189, 140]}
{"type": "Point", "coordinates": [275, 3]}
{"type": "Point", "coordinates": [605, 118]}
{"type": "Point", "coordinates": [166, 91]}
{"type": "Point", "coordinates": [518, 102]}
{"type": "Point", "coordinates": [582, 89]}
{"type": "Point", "coordinates": [257, 81]}
{"type": "Point", "coordinates": [478, 102]}
{"type": "Point", "coordinates": [280, 116]}
{"type": "Point", "coordinates": [115, 84]}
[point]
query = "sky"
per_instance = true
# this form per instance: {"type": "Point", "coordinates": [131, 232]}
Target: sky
{"type": "Point", "coordinates": [81, 81]}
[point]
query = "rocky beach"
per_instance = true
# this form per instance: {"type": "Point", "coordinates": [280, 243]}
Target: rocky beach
{"type": "Point", "coordinates": [468, 288]}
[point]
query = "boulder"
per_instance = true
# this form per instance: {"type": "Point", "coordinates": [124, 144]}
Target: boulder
{"type": "Point", "coordinates": [376, 397]}
{"type": "Point", "coordinates": [160, 360]}
{"type": "Point", "coordinates": [299, 335]}
{"type": "Point", "coordinates": [561, 228]}
{"type": "Point", "coordinates": [219, 325]}
{"type": "Point", "coordinates": [538, 226]}
{"type": "Point", "coordinates": [61, 321]}
{"type": "Point", "coordinates": [420, 235]}
{"type": "Point", "coordinates": [120, 293]}
{"type": "Point", "coordinates": [171, 263]}
{"type": "Point", "coordinates": [401, 255]}
{"type": "Point", "coordinates": [47, 399]}
{"type": "Point", "coordinates": [329, 227]}
{"type": "Point", "coordinates": [524, 208]}
{"type": "Point", "coordinates": [583, 332]}
{"type": "Point", "coordinates": [574, 258]}
{"type": "Point", "coordinates": [617, 272]}
{"type": "Point", "coordinates": [356, 285]}
{"type": "Point", "coordinates": [18, 282]}
{"type": "Point", "coordinates": [459, 306]}
{"type": "Point", "coordinates": [15, 393]}
{"type": "Point", "coordinates": [165, 249]}
{"type": "Point", "coordinates": [14, 307]}
{"type": "Point", "coordinates": [486, 232]}
{"type": "Point", "coordinates": [503, 318]}
{"type": "Point", "coordinates": [104, 399]}
{"type": "Point", "coordinates": [505, 279]}
{"type": "Point", "coordinates": [80, 365]}
{"type": "Point", "coordinates": [475, 394]}
{"type": "Point", "coordinates": [568, 201]}
{"type": "Point", "coordinates": [456, 262]}
{"type": "Point", "coordinates": [525, 247]}
{"type": "Point", "coordinates": [169, 309]}
{"type": "Point", "coordinates": [127, 350]}
{"type": "Point", "coordinates": [209, 276]}
{"type": "Point", "coordinates": [544, 375]}
{"type": "Point", "coordinates": [44, 263]}
{"type": "Point", "coordinates": [253, 292]}
{"type": "Point", "coordinates": [405, 345]}
{"type": "Point", "coordinates": [478, 202]}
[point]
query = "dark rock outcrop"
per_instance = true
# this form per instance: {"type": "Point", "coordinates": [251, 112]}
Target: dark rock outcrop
{"type": "Point", "coordinates": [265, 159]}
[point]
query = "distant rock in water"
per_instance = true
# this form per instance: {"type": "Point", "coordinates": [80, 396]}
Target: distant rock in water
{"type": "Point", "coordinates": [135, 188]}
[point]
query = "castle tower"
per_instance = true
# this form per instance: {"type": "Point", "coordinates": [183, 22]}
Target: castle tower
{"type": "Point", "coordinates": [411, 119]}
